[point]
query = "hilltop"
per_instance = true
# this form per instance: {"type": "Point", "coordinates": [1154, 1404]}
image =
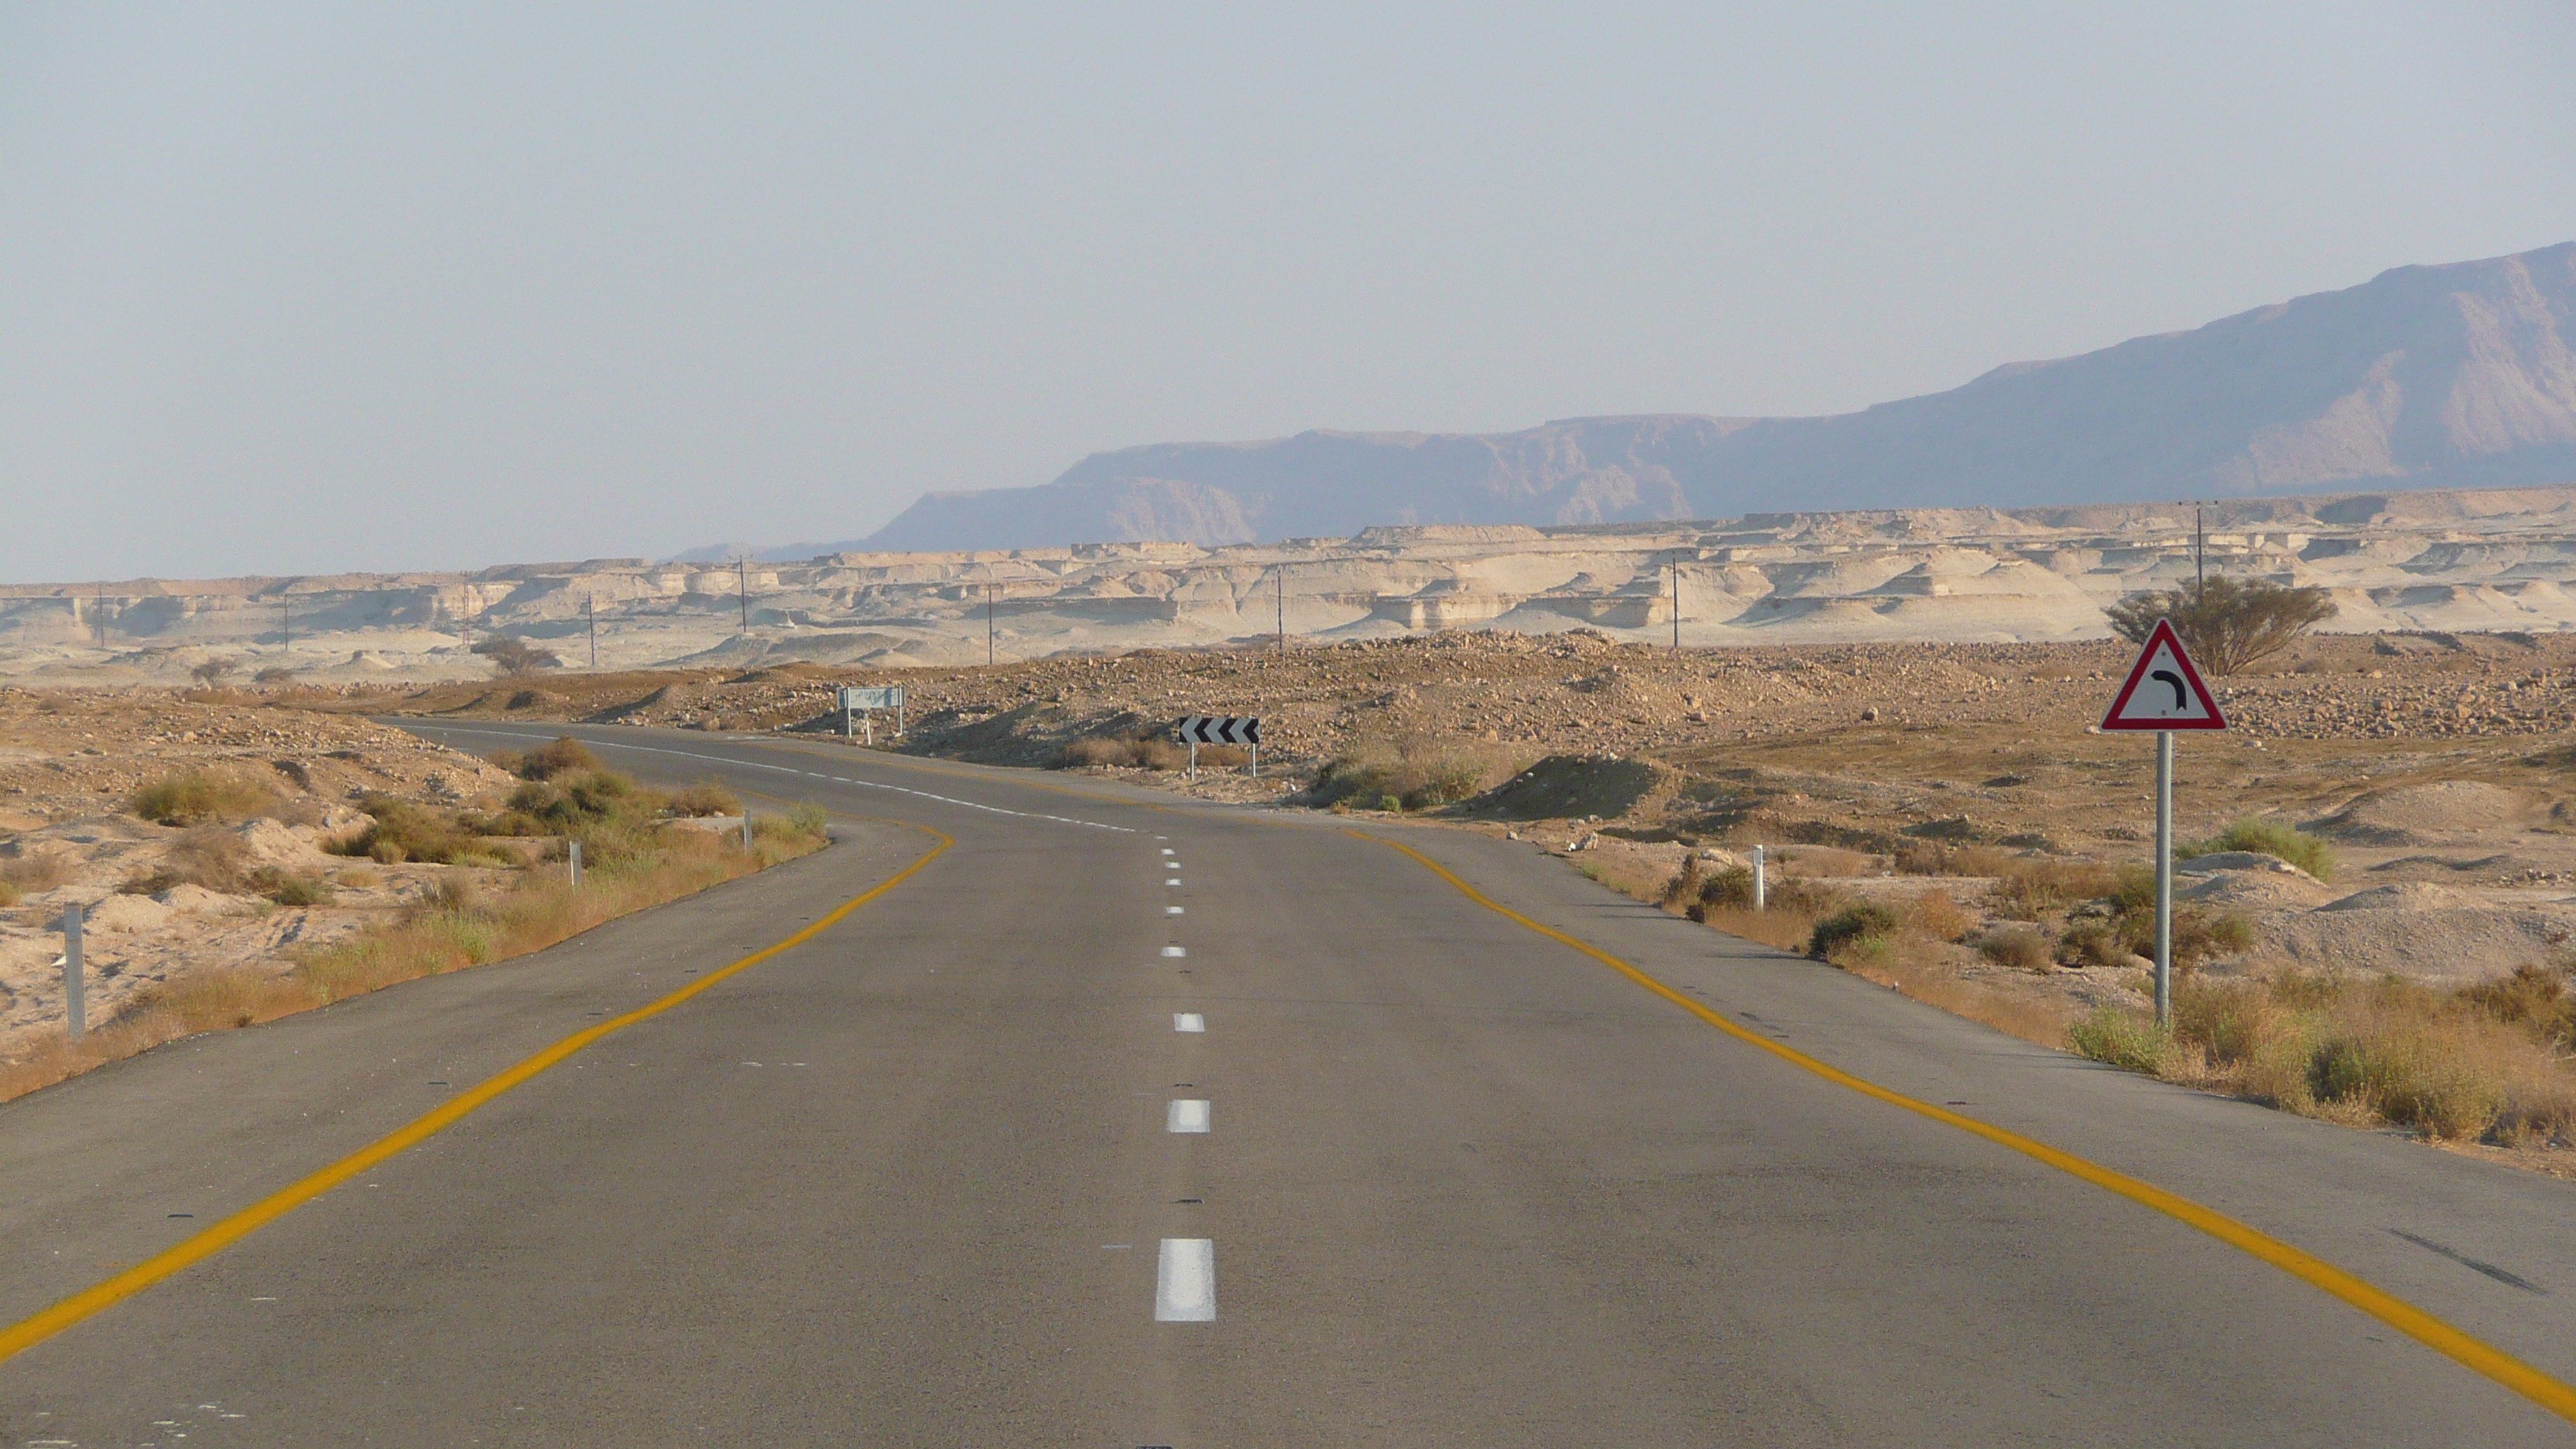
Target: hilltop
{"type": "Point", "coordinates": [2453, 376]}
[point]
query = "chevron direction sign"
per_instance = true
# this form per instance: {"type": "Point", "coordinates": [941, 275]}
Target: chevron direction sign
{"type": "Point", "coordinates": [1220, 729]}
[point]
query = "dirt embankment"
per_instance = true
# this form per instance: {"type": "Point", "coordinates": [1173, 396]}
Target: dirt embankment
{"type": "Point", "coordinates": [2421, 758]}
{"type": "Point", "coordinates": [161, 900]}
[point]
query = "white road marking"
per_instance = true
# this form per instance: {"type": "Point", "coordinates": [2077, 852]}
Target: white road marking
{"type": "Point", "coordinates": [792, 770]}
{"type": "Point", "coordinates": [1186, 1117]}
{"type": "Point", "coordinates": [1188, 1021]}
{"type": "Point", "coordinates": [1185, 1281]}
{"type": "Point", "coordinates": [1176, 880]}
{"type": "Point", "coordinates": [1167, 850]}
{"type": "Point", "coordinates": [1171, 910]}
{"type": "Point", "coordinates": [1176, 950]}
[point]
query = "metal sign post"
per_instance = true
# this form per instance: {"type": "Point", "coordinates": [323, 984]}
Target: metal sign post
{"type": "Point", "coordinates": [1221, 729]}
{"type": "Point", "coordinates": [2164, 693]}
{"type": "Point", "coordinates": [866, 700]}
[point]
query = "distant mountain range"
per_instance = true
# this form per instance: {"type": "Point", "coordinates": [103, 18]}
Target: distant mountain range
{"type": "Point", "coordinates": [2461, 375]}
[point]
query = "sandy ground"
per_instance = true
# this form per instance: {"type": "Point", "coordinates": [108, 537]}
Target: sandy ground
{"type": "Point", "coordinates": [70, 759]}
{"type": "Point", "coordinates": [2437, 767]}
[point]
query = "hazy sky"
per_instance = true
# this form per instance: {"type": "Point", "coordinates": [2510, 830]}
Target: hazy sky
{"type": "Point", "coordinates": [289, 289]}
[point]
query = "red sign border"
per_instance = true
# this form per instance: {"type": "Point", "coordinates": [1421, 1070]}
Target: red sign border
{"type": "Point", "coordinates": [2163, 633]}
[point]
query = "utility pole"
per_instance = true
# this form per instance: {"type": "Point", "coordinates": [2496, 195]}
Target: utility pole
{"type": "Point", "coordinates": [742, 587]}
{"type": "Point", "coordinates": [590, 615]}
{"type": "Point", "coordinates": [98, 617]}
{"type": "Point", "coordinates": [2199, 554]}
{"type": "Point", "coordinates": [1283, 608]}
{"type": "Point", "coordinates": [988, 626]}
{"type": "Point", "coordinates": [1677, 608]}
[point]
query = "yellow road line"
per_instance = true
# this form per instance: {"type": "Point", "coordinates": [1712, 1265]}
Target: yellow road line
{"type": "Point", "coordinates": [2406, 1318]}
{"type": "Point", "coordinates": [216, 1237]}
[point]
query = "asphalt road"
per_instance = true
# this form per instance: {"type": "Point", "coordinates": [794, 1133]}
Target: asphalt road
{"type": "Point", "coordinates": [917, 1182]}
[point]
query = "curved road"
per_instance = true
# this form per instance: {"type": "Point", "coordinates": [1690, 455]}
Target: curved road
{"type": "Point", "coordinates": [1128, 1121]}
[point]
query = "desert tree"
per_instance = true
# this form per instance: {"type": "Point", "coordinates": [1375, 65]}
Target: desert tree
{"type": "Point", "coordinates": [274, 674]}
{"type": "Point", "coordinates": [2227, 624]}
{"type": "Point", "coordinates": [214, 671]}
{"type": "Point", "coordinates": [513, 656]}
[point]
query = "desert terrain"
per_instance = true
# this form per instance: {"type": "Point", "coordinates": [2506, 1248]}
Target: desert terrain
{"type": "Point", "coordinates": [2493, 560]}
{"type": "Point", "coordinates": [2435, 766]}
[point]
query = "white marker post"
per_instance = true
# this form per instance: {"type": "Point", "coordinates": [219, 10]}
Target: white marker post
{"type": "Point", "coordinates": [2164, 693]}
{"type": "Point", "coordinates": [572, 859]}
{"type": "Point", "coordinates": [75, 990]}
{"type": "Point", "coordinates": [1757, 877]}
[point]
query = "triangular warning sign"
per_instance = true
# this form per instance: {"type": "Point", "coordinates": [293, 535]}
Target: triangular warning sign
{"type": "Point", "coordinates": [2164, 691]}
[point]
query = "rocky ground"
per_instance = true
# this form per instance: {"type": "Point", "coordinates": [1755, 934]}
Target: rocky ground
{"type": "Point", "coordinates": [70, 762]}
{"type": "Point", "coordinates": [2436, 766]}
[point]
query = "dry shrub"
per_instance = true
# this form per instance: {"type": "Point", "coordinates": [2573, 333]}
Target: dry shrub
{"type": "Point", "coordinates": [702, 799]}
{"type": "Point", "coordinates": [1682, 891]}
{"type": "Point", "coordinates": [1778, 929]}
{"type": "Point", "coordinates": [2447, 1063]}
{"type": "Point", "coordinates": [1936, 915]}
{"type": "Point", "coordinates": [2026, 890]}
{"type": "Point", "coordinates": [458, 926]}
{"type": "Point", "coordinates": [399, 831]}
{"type": "Point", "coordinates": [208, 856]}
{"type": "Point", "coordinates": [1851, 926]}
{"type": "Point", "coordinates": [1924, 970]}
{"type": "Point", "coordinates": [1931, 857]}
{"type": "Point", "coordinates": [2534, 998]}
{"type": "Point", "coordinates": [1081, 753]}
{"type": "Point", "coordinates": [2199, 935]}
{"type": "Point", "coordinates": [1804, 896]}
{"type": "Point", "coordinates": [2019, 947]}
{"type": "Point", "coordinates": [558, 756]}
{"type": "Point", "coordinates": [1411, 777]}
{"type": "Point", "coordinates": [37, 870]}
{"type": "Point", "coordinates": [2266, 837]}
{"type": "Point", "coordinates": [199, 797]}
{"type": "Point", "coordinates": [1826, 860]}
{"type": "Point", "coordinates": [8, 895]}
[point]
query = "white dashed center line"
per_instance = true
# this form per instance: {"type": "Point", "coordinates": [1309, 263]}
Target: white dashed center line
{"type": "Point", "coordinates": [1171, 910]}
{"type": "Point", "coordinates": [1185, 1281]}
{"type": "Point", "coordinates": [1188, 1021]}
{"type": "Point", "coordinates": [1176, 950]}
{"type": "Point", "coordinates": [1186, 1117]}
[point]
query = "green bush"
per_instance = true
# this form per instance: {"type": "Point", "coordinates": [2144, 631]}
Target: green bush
{"type": "Point", "coordinates": [1853, 923]}
{"type": "Point", "coordinates": [1732, 887]}
{"type": "Point", "coordinates": [398, 831]}
{"type": "Point", "coordinates": [2268, 837]}
{"type": "Point", "coordinates": [1446, 782]}
{"type": "Point", "coordinates": [2123, 1039]}
{"type": "Point", "coordinates": [197, 797]}
{"type": "Point", "coordinates": [559, 756]}
{"type": "Point", "coordinates": [1412, 781]}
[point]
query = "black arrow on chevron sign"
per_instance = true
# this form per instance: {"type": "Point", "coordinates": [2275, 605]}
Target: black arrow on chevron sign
{"type": "Point", "coordinates": [1220, 729]}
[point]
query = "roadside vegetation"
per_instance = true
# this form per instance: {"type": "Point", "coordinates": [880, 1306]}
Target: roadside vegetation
{"type": "Point", "coordinates": [637, 852]}
{"type": "Point", "coordinates": [2493, 1062]}
{"type": "Point", "coordinates": [2227, 624]}
{"type": "Point", "coordinates": [1402, 777]}
{"type": "Point", "coordinates": [2268, 837]}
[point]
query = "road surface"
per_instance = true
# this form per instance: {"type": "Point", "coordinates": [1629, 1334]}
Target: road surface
{"type": "Point", "coordinates": [1129, 1121]}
